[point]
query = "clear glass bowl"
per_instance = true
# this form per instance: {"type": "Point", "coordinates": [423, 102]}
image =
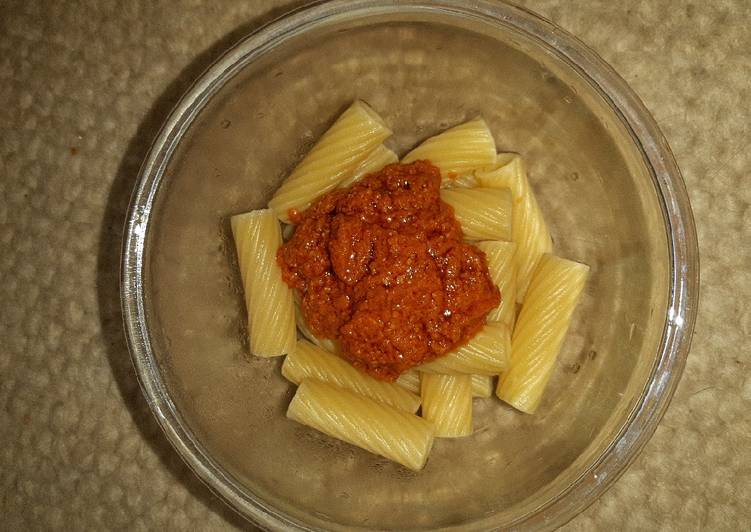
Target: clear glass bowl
{"type": "Point", "coordinates": [606, 180]}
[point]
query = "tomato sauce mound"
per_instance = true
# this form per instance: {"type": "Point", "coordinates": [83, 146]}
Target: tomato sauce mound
{"type": "Point", "coordinates": [382, 268]}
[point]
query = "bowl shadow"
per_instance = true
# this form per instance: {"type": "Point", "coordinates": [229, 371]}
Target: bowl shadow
{"type": "Point", "coordinates": [108, 265]}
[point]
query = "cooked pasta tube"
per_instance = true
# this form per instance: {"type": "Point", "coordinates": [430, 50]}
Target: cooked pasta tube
{"type": "Point", "coordinates": [308, 361]}
{"type": "Point", "coordinates": [463, 181]}
{"type": "Point", "coordinates": [410, 380]}
{"type": "Point", "coordinates": [375, 161]}
{"type": "Point", "coordinates": [447, 403]}
{"type": "Point", "coordinates": [502, 269]}
{"type": "Point", "coordinates": [271, 313]}
{"type": "Point", "coordinates": [543, 321]}
{"type": "Point", "coordinates": [458, 150]}
{"type": "Point", "coordinates": [397, 435]}
{"type": "Point", "coordinates": [528, 228]}
{"type": "Point", "coordinates": [484, 213]}
{"type": "Point", "coordinates": [486, 353]}
{"type": "Point", "coordinates": [336, 155]}
{"type": "Point", "coordinates": [482, 385]}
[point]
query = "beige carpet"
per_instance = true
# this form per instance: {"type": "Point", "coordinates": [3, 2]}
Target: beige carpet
{"type": "Point", "coordinates": [84, 87]}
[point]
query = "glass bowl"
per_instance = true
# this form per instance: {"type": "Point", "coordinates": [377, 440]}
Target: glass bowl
{"type": "Point", "coordinates": [606, 181]}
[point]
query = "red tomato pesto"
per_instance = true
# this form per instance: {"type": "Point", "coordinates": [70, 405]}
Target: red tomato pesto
{"type": "Point", "coordinates": [382, 268]}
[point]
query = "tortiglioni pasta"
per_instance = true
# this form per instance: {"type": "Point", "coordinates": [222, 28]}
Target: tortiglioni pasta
{"type": "Point", "coordinates": [410, 380]}
{"type": "Point", "coordinates": [447, 403]}
{"type": "Point", "coordinates": [482, 385]}
{"type": "Point", "coordinates": [543, 321]}
{"type": "Point", "coordinates": [458, 150]}
{"type": "Point", "coordinates": [380, 429]}
{"type": "Point", "coordinates": [269, 301]}
{"type": "Point", "coordinates": [528, 229]}
{"type": "Point", "coordinates": [484, 213]}
{"type": "Point", "coordinates": [502, 267]}
{"type": "Point", "coordinates": [376, 160]}
{"type": "Point", "coordinates": [370, 239]}
{"type": "Point", "coordinates": [308, 361]}
{"type": "Point", "coordinates": [487, 353]}
{"type": "Point", "coordinates": [357, 132]}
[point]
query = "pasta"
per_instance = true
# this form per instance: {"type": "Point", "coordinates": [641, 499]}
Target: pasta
{"type": "Point", "coordinates": [482, 385]}
{"type": "Point", "coordinates": [543, 321]}
{"type": "Point", "coordinates": [410, 380]}
{"type": "Point", "coordinates": [397, 435]}
{"type": "Point", "coordinates": [502, 268]}
{"type": "Point", "coordinates": [271, 314]}
{"type": "Point", "coordinates": [375, 160]}
{"type": "Point", "coordinates": [484, 213]}
{"type": "Point", "coordinates": [353, 261]}
{"type": "Point", "coordinates": [357, 132]}
{"type": "Point", "coordinates": [487, 353]}
{"type": "Point", "coordinates": [528, 227]}
{"type": "Point", "coordinates": [308, 361]}
{"type": "Point", "coordinates": [458, 150]}
{"type": "Point", "coordinates": [463, 181]}
{"type": "Point", "coordinates": [447, 403]}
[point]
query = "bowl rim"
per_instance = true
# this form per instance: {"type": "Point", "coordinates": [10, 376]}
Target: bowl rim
{"type": "Point", "coordinates": [683, 277]}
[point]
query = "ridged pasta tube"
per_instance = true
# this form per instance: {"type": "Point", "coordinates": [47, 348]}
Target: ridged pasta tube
{"type": "Point", "coordinates": [269, 301]}
{"type": "Point", "coordinates": [410, 380]}
{"type": "Point", "coordinates": [447, 403]}
{"type": "Point", "coordinates": [543, 321]}
{"type": "Point", "coordinates": [374, 162]}
{"type": "Point", "coordinates": [458, 150]}
{"type": "Point", "coordinates": [486, 353]}
{"type": "Point", "coordinates": [502, 269]}
{"type": "Point", "coordinates": [528, 228]}
{"type": "Point", "coordinates": [463, 181]}
{"type": "Point", "coordinates": [484, 213]}
{"type": "Point", "coordinates": [336, 155]}
{"type": "Point", "coordinates": [397, 435]}
{"type": "Point", "coordinates": [308, 361]}
{"type": "Point", "coordinates": [482, 385]}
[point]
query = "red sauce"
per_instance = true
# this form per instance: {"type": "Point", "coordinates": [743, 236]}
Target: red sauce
{"type": "Point", "coordinates": [383, 268]}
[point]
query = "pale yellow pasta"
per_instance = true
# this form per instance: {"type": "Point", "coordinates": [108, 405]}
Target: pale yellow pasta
{"type": "Point", "coordinates": [463, 181]}
{"type": "Point", "coordinates": [502, 269]}
{"type": "Point", "coordinates": [458, 150]}
{"type": "Point", "coordinates": [528, 227]}
{"type": "Point", "coordinates": [447, 403]}
{"type": "Point", "coordinates": [308, 361]}
{"type": "Point", "coordinates": [542, 324]}
{"type": "Point", "coordinates": [271, 313]}
{"type": "Point", "coordinates": [327, 344]}
{"type": "Point", "coordinates": [395, 434]}
{"type": "Point", "coordinates": [410, 380]}
{"type": "Point", "coordinates": [336, 155]}
{"type": "Point", "coordinates": [486, 353]}
{"type": "Point", "coordinates": [484, 213]}
{"type": "Point", "coordinates": [374, 162]}
{"type": "Point", "coordinates": [482, 385]}
{"type": "Point", "coordinates": [492, 200]}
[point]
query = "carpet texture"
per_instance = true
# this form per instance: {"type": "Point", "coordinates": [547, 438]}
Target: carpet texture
{"type": "Point", "coordinates": [85, 86]}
